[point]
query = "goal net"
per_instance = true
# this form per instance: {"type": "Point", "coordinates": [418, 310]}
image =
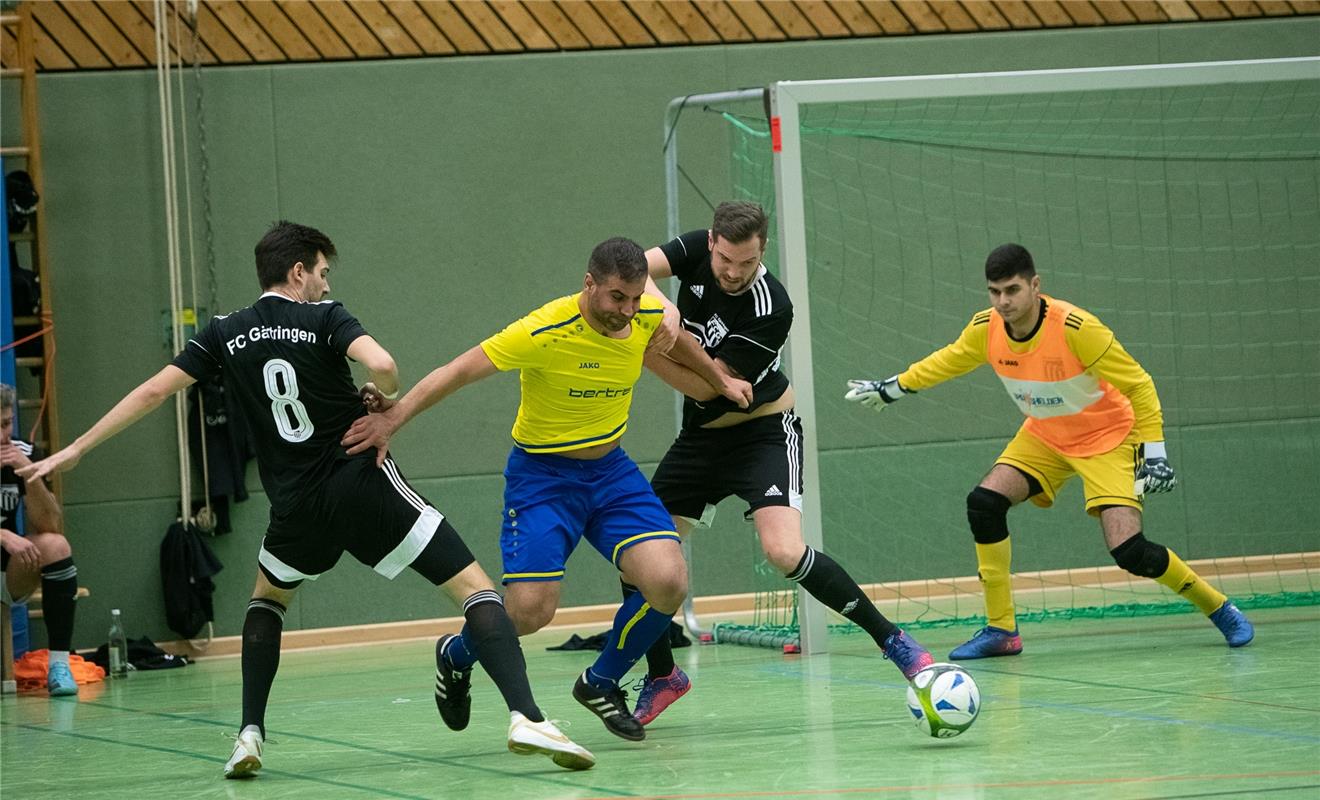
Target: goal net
{"type": "Point", "coordinates": [1178, 203]}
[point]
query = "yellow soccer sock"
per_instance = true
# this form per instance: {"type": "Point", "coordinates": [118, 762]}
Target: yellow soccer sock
{"type": "Point", "coordinates": [992, 561]}
{"type": "Point", "coordinates": [1182, 579]}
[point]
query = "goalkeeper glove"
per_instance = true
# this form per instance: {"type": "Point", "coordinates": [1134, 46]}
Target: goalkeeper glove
{"type": "Point", "coordinates": [1155, 475]}
{"type": "Point", "coordinates": [875, 395]}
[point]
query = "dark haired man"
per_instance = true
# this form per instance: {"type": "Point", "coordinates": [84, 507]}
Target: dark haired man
{"type": "Point", "coordinates": [740, 315]}
{"type": "Point", "coordinates": [579, 358]}
{"type": "Point", "coordinates": [1091, 411]}
{"type": "Point", "coordinates": [285, 358]}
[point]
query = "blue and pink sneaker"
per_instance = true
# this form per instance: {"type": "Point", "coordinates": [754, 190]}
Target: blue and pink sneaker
{"type": "Point", "coordinates": [657, 694]}
{"type": "Point", "coordinates": [907, 655]}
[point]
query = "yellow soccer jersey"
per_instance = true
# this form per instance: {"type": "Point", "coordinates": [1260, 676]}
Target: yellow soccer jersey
{"type": "Point", "coordinates": [577, 385]}
{"type": "Point", "coordinates": [1090, 340]}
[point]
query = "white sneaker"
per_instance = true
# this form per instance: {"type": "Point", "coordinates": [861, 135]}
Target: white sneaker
{"type": "Point", "coordinates": [529, 738]}
{"type": "Point", "coordinates": [246, 760]}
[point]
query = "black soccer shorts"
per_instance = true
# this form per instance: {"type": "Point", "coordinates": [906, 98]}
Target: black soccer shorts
{"type": "Point", "coordinates": [759, 461]}
{"type": "Point", "coordinates": [372, 513]}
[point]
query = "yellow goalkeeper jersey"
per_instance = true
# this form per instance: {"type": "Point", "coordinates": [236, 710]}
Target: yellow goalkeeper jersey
{"type": "Point", "coordinates": [577, 384]}
{"type": "Point", "coordinates": [1073, 404]}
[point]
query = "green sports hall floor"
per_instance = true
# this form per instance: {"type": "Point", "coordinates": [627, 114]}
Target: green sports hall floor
{"type": "Point", "coordinates": [1126, 708]}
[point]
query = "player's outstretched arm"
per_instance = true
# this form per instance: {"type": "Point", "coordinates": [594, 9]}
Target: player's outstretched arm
{"type": "Point", "coordinates": [136, 404]}
{"type": "Point", "coordinates": [875, 395]}
{"type": "Point", "coordinates": [375, 430]}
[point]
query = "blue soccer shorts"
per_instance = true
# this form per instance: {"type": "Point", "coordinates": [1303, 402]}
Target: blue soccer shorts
{"type": "Point", "coordinates": [552, 501]}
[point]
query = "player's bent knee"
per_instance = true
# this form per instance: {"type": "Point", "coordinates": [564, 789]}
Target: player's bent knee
{"type": "Point", "coordinates": [1142, 557]}
{"type": "Point", "coordinates": [987, 514]}
{"type": "Point", "coordinates": [53, 546]}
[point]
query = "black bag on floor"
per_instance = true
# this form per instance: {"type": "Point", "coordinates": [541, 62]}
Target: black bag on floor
{"type": "Point", "coordinates": [143, 654]}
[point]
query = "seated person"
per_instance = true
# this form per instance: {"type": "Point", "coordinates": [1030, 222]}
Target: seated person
{"type": "Point", "coordinates": [44, 557]}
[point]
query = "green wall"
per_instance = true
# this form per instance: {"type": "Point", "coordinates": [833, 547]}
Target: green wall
{"type": "Point", "coordinates": [460, 193]}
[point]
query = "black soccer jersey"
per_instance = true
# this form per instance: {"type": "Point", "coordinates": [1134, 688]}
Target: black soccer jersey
{"type": "Point", "coordinates": [13, 488]}
{"type": "Point", "coordinates": [285, 363]}
{"type": "Point", "coordinates": [747, 330]}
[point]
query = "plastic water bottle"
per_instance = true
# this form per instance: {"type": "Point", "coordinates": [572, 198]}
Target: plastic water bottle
{"type": "Point", "coordinates": [118, 646]}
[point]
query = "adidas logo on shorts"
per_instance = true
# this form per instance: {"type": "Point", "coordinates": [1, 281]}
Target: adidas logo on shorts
{"type": "Point", "coordinates": [773, 491]}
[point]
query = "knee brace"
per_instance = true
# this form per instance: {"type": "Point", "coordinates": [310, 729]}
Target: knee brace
{"type": "Point", "coordinates": [1142, 557]}
{"type": "Point", "coordinates": [987, 513]}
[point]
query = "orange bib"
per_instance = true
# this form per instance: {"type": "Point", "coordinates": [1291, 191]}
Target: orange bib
{"type": "Point", "coordinates": [1066, 407]}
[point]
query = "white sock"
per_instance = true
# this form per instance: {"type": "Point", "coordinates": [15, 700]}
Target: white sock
{"type": "Point", "coordinates": [59, 657]}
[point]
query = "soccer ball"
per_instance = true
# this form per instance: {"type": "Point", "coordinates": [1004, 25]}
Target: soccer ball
{"type": "Point", "coordinates": [944, 700]}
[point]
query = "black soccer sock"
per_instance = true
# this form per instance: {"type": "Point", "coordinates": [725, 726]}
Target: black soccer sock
{"type": "Point", "coordinates": [261, 658]}
{"type": "Point", "coordinates": [59, 591]}
{"type": "Point", "coordinates": [830, 584]}
{"type": "Point", "coordinates": [498, 650]}
{"type": "Point", "coordinates": [660, 658]}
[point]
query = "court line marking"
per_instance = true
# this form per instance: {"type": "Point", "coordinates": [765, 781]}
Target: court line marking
{"type": "Point", "coordinates": [447, 762]}
{"type": "Point", "coordinates": [1134, 779]}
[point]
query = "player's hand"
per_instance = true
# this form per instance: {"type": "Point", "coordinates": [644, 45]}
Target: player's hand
{"type": "Point", "coordinates": [1155, 475]}
{"type": "Point", "coordinates": [875, 395]}
{"type": "Point", "coordinates": [737, 390]}
{"type": "Point", "coordinates": [22, 551]}
{"type": "Point", "coordinates": [667, 333]}
{"type": "Point", "coordinates": [375, 400]}
{"type": "Point", "coordinates": [63, 461]}
{"type": "Point", "coordinates": [373, 430]}
{"type": "Point", "coordinates": [11, 456]}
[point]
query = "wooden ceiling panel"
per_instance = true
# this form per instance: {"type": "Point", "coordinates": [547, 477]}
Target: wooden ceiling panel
{"type": "Point", "coordinates": [1051, 13]}
{"type": "Point", "coordinates": [132, 25]}
{"type": "Point", "coordinates": [890, 17]}
{"type": "Point", "coordinates": [552, 18]}
{"type": "Point", "coordinates": [119, 34]}
{"type": "Point", "coordinates": [761, 24]}
{"type": "Point", "coordinates": [55, 21]}
{"type": "Point", "coordinates": [694, 25]}
{"type": "Point", "coordinates": [319, 33]}
{"type": "Point", "coordinates": [454, 26]}
{"type": "Point", "coordinates": [955, 18]}
{"type": "Point", "coordinates": [489, 27]}
{"type": "Point", "coordinates": [1177, 10]}
{"type": "Point", "coordinates": [281, 30]}
{"type": "Point", "coordinates": [248, 32]}
{"type": "Point", "coordinates": [790, 20]}
{"type": "Point", "coordinates": [724, 21]}
{"type": "Point", "coordinates": [586, 20]}
{"type": "Point", "coordinates": [1083, 13]}
{"type": "Point", "coordinates": [853, 15]}
{"type": "Point", "coordinates": [1018, 13]}
{"type": "Point", "coordinates": [1146, 11]}
{"type": "Point", "coordinates": [922, 16]}
{"type": "Point", "coordinates": [523, 25]}
{"type": "Point", "coordinates": [985, 15]}
{"type": "Point", "coordinates": [1274, 8]}
{"type": "Point", "coordinates": [657, 21]}
{"type": "Point", "coordinates": [1210, 9]}
{"type": "Point", "coordinates": [1114, 13]}
{"type": "Point", "coordinates": [108, 38]}
{"type": "Point", "coordinates": [624, 24]}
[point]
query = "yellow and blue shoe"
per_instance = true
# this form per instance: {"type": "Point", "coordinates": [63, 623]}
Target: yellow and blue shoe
{"type": "Point", "coordinates": [988, 643]}
{"type": "Point", "coordinates": [907, 655]}
{"type": "Point", "coordinates": [656, 694]}
{"type": "Point", "coordinates": [59, 680]}
{"type": "Point", "coordinates": [1235, 626]}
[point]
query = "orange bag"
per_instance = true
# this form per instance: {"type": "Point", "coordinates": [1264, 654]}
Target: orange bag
{"type": "Point", "coordinates": [30, 670]}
